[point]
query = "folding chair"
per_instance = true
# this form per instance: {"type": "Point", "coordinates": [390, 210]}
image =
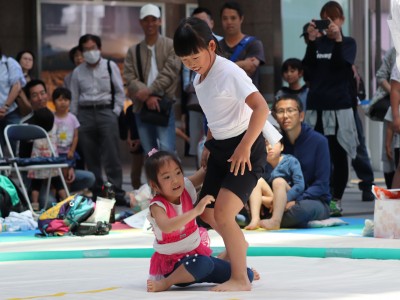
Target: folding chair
{"type": "Point", "coordinates": [5, 165]}
{"type": "Point", "coordinates": [27, 132]}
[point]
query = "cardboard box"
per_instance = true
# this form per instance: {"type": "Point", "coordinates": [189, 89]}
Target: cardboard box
{"type": "Point", "coordinates": [387, 219]}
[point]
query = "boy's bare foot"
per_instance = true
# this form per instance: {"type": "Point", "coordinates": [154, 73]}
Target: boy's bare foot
{"type": "Point", "coordinates": [270, 224]}
{"type": "Point", "coordinates": [157, 285]}
{"type": "Point", "coordinates": [253, 225]}
{"type": "Point", "coordinates": [256, 275]}
{"type": "Point", "coordinates": [232, 285]}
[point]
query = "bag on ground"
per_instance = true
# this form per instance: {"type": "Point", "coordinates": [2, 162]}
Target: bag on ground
{"type": "Point", "coordinates": [66, 216]}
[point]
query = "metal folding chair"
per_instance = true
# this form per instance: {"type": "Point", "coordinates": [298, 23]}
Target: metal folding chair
{"type": "Point", "coordinates": [28, 132]}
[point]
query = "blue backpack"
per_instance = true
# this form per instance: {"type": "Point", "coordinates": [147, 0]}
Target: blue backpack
{"type": "Point", "coordinates": [66, 216]}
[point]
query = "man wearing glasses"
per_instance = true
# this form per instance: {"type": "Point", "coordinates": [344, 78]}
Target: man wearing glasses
{"type": "Point", "coordinates": [311, 149]}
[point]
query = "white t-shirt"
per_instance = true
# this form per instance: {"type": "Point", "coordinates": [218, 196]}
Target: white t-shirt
{"type": "Point", "coordinates": [222, 97]}
{"type": "Point", "coordinates": [177, 207]}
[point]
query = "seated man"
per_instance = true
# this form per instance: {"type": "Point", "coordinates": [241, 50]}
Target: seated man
{"type": "Point", "coordinates": [311, 149]}
{"type": "Point", "coordinates": [37, 94]}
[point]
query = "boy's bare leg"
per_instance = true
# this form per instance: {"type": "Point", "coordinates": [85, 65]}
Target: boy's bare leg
{"type": "Point", "coordinates": [180, 275]}
{"type": "Point", "coordinates": [260, 192]}
{"type": "Point", "coordinates": [280, 188]}
{"type": "Point", "coordinates": [227, 206]}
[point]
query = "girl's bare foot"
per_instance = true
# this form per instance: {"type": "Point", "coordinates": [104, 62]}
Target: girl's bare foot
{"type": "Point", "coordinates": [157, 285]}
{"type": "Point", "coordinates": [232, 285]}
{"type": "Point", "coordinates": [270, 224]}
{"type": "Point", "coordinates": [256, 275]}
{"type": "Point", "coordinates": [254, 224]}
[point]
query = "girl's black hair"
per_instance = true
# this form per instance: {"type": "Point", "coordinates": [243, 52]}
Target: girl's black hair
{"type": "Point", "coordinates": [193, 35]}
{"type": "Point", "coordinates": [154, 162]}
{"type": "Point", "coordinates": [61, 91]}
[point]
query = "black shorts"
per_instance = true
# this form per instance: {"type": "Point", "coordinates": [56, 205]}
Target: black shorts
{"type": "Point", "coordinates": [218, 168]}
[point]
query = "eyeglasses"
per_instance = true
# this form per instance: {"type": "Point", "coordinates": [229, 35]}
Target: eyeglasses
{"type": "Point", "coordinates": [289, 111]}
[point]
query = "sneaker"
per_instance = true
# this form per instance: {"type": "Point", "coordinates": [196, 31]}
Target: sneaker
{"type": "Point", "coordinates": [336, 208]}
{"type": "Point", "coordinates": [367, 196]}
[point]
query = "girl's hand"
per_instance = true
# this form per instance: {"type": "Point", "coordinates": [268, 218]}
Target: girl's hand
{"type": "Point", "coordinates": [203, 203]}
{"type": "Point", "coordinates": [70, 155]}
{"type": "Point", "coordinates": [239, 159]}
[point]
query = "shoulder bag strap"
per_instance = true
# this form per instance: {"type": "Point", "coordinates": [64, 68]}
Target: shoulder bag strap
{"type": "Point", "coordinates": [139, 63]}
{"type": "Point", "coordinates": [242, 44]}
{"type": "Point", "coordinates": [112, 84]}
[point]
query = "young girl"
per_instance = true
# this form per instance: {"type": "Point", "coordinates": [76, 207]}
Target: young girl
{"type": "Point", "coordinates": [44, 118]}
{"type": "Point", "coordinates": [182, 254]}
{"type": "Point", "coordinates": [287, 182]}
{"type": "Point", "coordinates": [234, 152]}
{"type": "Point", "coordinates": [66, 123]}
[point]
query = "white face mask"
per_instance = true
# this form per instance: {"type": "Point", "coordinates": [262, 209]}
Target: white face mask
{"type": "Point", "coordinates": [91, 56]}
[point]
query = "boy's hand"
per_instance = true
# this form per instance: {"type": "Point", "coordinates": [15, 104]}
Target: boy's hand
{"type": "Point", "coordinates": [203, 203]}
{"type": "Point", "coordinates": [204, 157]}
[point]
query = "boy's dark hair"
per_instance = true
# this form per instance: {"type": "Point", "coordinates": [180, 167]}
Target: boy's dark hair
{"type": "Point", "coordinates": [63, 92]}
{"type": "Point", "coordinates": [199, 10]}
{"type": "Point", "coordinates": [31, 84]}
{"type": "Point", "coordinates": [293, 63]}
{"type": "Point", "coordinates": [72, 52]}
{"type": "Point", "coordinates": [232, 5]}
{"type": "Point", "coordinates": [154, 162]}
{"type": "Point", "coordinates": [191, 36]}
{"type": "Point", "coordinates": [288, 97]}
{"type": "Point", "coordinates": [89, 37]}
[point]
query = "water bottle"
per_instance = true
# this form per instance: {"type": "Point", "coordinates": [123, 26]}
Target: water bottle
{"type": "Point", "coordinates": [109, 193]}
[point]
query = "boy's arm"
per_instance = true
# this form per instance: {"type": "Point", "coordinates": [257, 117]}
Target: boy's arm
{"type": "Point", "coordinates": [298, 180]}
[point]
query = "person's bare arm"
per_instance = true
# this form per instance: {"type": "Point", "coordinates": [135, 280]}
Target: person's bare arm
{"type": "Point", "coordinates": [394, 102]}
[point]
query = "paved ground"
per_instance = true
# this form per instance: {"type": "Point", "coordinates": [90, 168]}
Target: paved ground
{"type": "Point", "coordinates": [351, 203]}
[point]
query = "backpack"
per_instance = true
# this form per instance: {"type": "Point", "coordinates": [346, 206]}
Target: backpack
{"type": "Point", "coordinates": [10, 197]}
{"type": "Point", "coordinates": [66, 216]}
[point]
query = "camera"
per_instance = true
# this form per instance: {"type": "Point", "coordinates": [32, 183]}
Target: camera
{"type": "Point", "coordinates": [321, 24]}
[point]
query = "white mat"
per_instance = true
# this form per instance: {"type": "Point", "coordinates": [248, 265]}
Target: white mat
{"type": "Point", "coordinates": [281, 278]}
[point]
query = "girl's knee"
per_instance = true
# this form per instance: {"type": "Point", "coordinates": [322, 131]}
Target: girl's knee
{"type": "Point", "coordinates": [278, 183]}
{"type": "Point", "coordinates": [198, 266]}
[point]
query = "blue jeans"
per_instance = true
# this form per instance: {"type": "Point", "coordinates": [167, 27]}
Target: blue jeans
{"type": "Point", "coordinates": [207, 269]}
{"type": "Point", "coordinates": [304, 211]}
{"type": "Point", "coordinates": [362, 164]}
{"type": "Point", "coordinates": [83, 180]}
{"type": "Point", "coordinates": [160, 137]}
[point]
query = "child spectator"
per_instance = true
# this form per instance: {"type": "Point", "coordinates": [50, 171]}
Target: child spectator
{"type": "Point", "coordinates": [66, 123]}
{"type": "Point", "coordinates": [292, 73]}
{"type": "Point", "coordinates": [44, 118]}
{"type": "Point", "coordinates": [182, 252]}
{"type": "Point", "coordinates": [284, 175]}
